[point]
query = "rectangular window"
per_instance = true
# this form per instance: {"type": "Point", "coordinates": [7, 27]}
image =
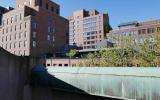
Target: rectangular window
{"type": "Point", "coordinates": [25, 34]}
{"type": "Point", "coordinates": [25, 43]}
{"type": "Point", "coordinates": [15, 28]}
{"type": "Point", "coordinates": [20, 26]}
{"type": "Point", "coordinates": [20, 16]}
{"type": "Point", "coordinates": [34, 34]}
{"type": "Point", "coordinates": [40, 2]}
{"type": "Point", "coordinates": [57, 11]}
{"type": "Point", "coordinates": [47, 6]}
{"type": "Point", "coordinates": [11, 19]}
{"type": "Point", "coordinates": [52, 9]}
{"type": "Point", "coordinates": [48, 38]}
{"type": "Point", "coordinates": [7, 21]}
{"type": "Point", "coordinates": [7, 30]}
{"type": "Point", "coordinates": [3, 31]}
{"type": "Point", "coordinates": [25, 24]}
{"type": "Point", "coordinates": [34, 43]}
{"type": "Point", "coordinates": [49, 29]}
{"type": "Point", "coordinates": [34, 25]}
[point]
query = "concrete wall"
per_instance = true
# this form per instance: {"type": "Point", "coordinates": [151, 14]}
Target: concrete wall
{"type": "Point", "coordinates": [14, 77]}
{"type": "Point", "coordinates": [116, 82]}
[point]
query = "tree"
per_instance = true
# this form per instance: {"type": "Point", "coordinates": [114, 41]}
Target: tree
{"type": "Point", "coordinates": [72, 53]}
{"type": "Point", "coordinates": [107, 28]}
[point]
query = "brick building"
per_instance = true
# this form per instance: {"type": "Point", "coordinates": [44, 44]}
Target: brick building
{"type": "Point", "coordinates": [136, 33]}
{"type": "Point", "coordinates": [33, 28]}
{"type": "Point", "coordinates": [87, 28]}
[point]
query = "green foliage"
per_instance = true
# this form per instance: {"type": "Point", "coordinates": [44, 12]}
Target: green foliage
{"type": "Point", "coordinates": [144, 56]}
{"type": "Point", "coordinates": [107, 28]}
{"type": "Point", "coordinates": [72, 53]}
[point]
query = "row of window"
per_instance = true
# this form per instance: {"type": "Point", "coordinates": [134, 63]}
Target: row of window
{"type": "Point", "coordinates": [90, 28]}
{"type": "Point", "coordinates": [11, 28]}
{"type": "Point", "coordinates": [90, 42]}
{"type": "Point", "coordinates": [88, 20]}
{"type": "Point", "coordinates": [20, 44]}
{"type": "Point", "coordinates": [90, 33]}
{"type": "Point", "coordinates": [12, 19]}
{"type": "Point", "coordinates": [90, 24]}
{"type": "Point", "coordinates": [132, 33]}
{"type": "Point", "coordinates": [60, 65]}
{"type": "Point", "coordinates": [90, 47]}
{"type": "Point", "coordinates": [136, 40]}
{"type": "Point", "coordinates": [13, 37]}
{"type": "Point", "coordinates": [48, 7]}
{"type": "Point", "coordinates": [20, 52]}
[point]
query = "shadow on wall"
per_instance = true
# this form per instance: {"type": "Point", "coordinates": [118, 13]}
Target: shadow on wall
{"type": "Point", "coordinates": [41, 78]}
{"type": "Point", "coordinates": [48, 87]}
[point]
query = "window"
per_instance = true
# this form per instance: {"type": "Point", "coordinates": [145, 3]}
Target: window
{"type": "Point", "coordinates": [65, 65]}
{"type": "Point", "coordinates": [48, 65]}
{"type": "Point", "coordinates": [34, 34]}
{"type": "Point", "coordinates": [7, 21]}
{"type": "Point", "coordinates": [47, 6]}
{"type": "Point", "coordinates": [40, 2]}
{"type": "Point", "coordinates": [34, 25]}
{"type": "Point", "coordinates": [7, 30]}
{"type": "Point", "coordinates": [57, 11]}
{"type": "Point", "coordinates": [54, 64]}
{"type": "Point", "coordinates": [60, 64]}
{"type": "Point", "coordinates": [34, 43]}
{"type": "Point", "coordinates": [30, 2]}
{"type": "Point", "coordinates": [15, 28]}
{"type": "Point", "coordinates": [19, 44]}
{"type": "Point", "coordinates": [52, 9]}
{"type": "Point", "coordinates": [49, 29]}
{"type": "Point", "coordinates": [25, 43]}
{"type": "Point", "coordinates": [20, 26]}
{"type": "Point", "coordinates": [15, 45]}
{"type": "Point", "coordinates": [20, 16]}
{"type": "Point", "coordinates": [3, 31]}
{"type": "Point", "coordinates": [25, 34]}
{"type": "Point", "coordinates": [25, 24]}
{"type": "Point", "coordinates": [10, 37]}
{"type": "Point", "coordinates": [53, 38]}
{"type": "Point", "coordinates": [11, 19]}
{"type": "Point", "coordinates": [48, 38]}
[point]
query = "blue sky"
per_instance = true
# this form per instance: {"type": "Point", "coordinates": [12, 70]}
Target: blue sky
{"type": "Point", "coordinates": [118, 10]}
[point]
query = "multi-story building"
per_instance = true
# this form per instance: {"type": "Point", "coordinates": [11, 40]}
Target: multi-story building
{"type": "Point", "coordinates": [33, 28]}
{"type": "Point", "coordinates": [2, 11]}
{"type": "Point", "coordinates": [86, 28]}
{"type": "Point", "coordinates": [136, 33]}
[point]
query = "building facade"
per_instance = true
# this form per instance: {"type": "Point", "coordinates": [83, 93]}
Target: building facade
{"type": "Point", "coordinates": [33, 28]}
{"type": "Point", "coordinates": [86, 28]}
{"type": "Point", "coordinates": [136, 33]}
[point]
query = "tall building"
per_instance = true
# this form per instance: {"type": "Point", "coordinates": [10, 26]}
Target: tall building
{"type": "Point", "coordinates": [86, 28]}
{"type": "Point", "coordinates": [136, 33]}
{"type": "Point", "coordinates": [2, 11]}
{"type": "Point", "coordinates": [33, 28]}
